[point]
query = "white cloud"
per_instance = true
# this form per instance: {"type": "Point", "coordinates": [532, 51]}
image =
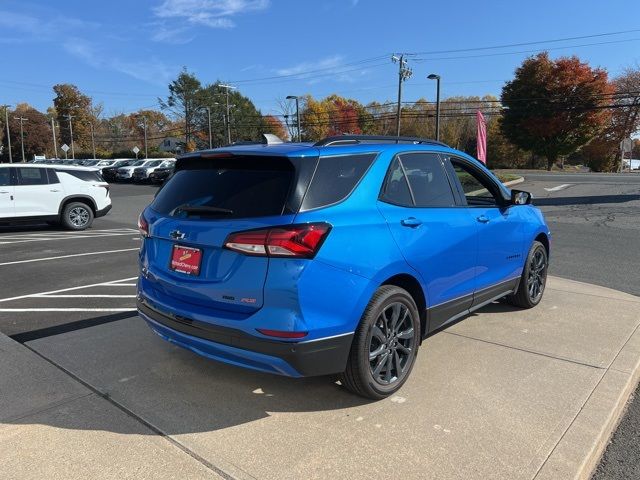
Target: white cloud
{"type": "Point", "coordinates": [208, 13]}
{"type": "Point", "coordinates": [329, 63]}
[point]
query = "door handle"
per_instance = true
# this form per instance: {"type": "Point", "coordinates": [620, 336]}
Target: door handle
{"type": "Point", "coordinates": [3, 191]}
{"type": "Point", "coordinates": [54, 190]}
{"type": "Point", "coordinates": [482, 219]}
{"type": "Point", "coordinates": [411, 222]}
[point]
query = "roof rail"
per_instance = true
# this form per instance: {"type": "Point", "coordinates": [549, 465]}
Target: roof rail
{"type": "Point", "coordinates": [359, 139]}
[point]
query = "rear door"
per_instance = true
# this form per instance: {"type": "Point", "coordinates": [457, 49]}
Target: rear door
{"type": "Point", "coordinates": [250, 193]}
{"type": "Point", "coordinates": [435, 235]}
{"type": "Point", "coordinates": [34, 196]}
{"type": "Point", "coordinates": [7, 209]}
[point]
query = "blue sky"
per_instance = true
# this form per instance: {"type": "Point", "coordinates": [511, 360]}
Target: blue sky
{"type": "Point", "coordinates": [123, 53]}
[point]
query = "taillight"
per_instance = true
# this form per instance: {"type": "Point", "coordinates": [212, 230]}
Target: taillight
{"type": "Point", "coordinates": [143, 226]}
{"type": "Point", "coordinates": [297, 241]}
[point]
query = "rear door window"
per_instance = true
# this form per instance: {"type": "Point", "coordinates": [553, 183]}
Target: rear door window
{"type": "Point", "coordinates": [335, 178]}
{"type": "Point", "coordinates": [31, 176]}
{"type": "Point", "coordinates": [238, 187]}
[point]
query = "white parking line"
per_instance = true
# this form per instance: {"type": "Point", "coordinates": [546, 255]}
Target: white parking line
{"type": "Point", "coordinates": [20, 297]}
{"type": "Point", "coordinates": [68, 256]}
{"type": "Point", "coordinates": [82, 296]}
{"type": "Point", "coordinates": [44, 236]}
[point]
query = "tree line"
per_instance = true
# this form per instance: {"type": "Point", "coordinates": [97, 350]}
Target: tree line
{"type": "Point", "coordinates": [551, 111]}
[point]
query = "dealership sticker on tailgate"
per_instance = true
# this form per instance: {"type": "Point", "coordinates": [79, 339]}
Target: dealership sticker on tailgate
{"type": "Point", "coordinates": [186, 260]}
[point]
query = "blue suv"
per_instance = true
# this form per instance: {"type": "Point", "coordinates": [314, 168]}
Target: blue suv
{"type": "Point", "coordinates": [337, 257]}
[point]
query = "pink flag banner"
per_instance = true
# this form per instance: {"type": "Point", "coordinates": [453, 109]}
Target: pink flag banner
{"type": "Point", "coordinates": [482, 137]}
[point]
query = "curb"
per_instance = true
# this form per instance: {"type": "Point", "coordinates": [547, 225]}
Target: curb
{"type": "Point", "coordinates": [513, 182]}
{"type": "Point", "coordinates": [580, 449]}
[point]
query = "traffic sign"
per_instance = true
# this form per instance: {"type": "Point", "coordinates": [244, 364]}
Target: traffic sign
{"type": "Point", "coordinates": [135, 150]}
{"type": "Point", "coordinates": [65, 148]}
{"type": "Point", "coordinates": [626, 145]}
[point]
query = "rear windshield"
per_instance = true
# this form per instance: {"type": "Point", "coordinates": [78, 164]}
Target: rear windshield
{"type": "Point", "coordinates": [241, 186]}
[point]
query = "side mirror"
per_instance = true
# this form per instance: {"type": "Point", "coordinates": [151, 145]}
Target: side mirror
{"type": "Point", "coordinates": [518, 197]}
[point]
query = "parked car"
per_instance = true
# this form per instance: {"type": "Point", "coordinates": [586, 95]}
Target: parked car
{"type": "Point", "coordinates": [333, 258]}
{"type": "Point", "coordinates": [125, 173]}
{"type": "Point", "coordinates": [109, 173]}
{"type": "Point", "coordinates": [160, 174]}
{"type": "Point", "coordinates": [141, 174]}
{"type": "Point", "coordinates": [72, 196]}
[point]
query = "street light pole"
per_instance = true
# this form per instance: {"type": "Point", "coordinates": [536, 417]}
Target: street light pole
{"type": "Point", "coordinates": [435, 77]}
{"type": "Point", "coordinates": [53, 131]}
{"type": "Point", "coordinates": [73, 151]}
{"type": "Point", "coordinates": [21, 120]}
{"type": "Point", "coordinates": [208, 109]}
{"type": "Point", "coordinates": [6, 121]}
{"type": "Point", "coordinates": [294, 97]}
{"type": "Point", "coordinates": [404, 73]}
{"type": "Point", "coordinates": [144, 126]}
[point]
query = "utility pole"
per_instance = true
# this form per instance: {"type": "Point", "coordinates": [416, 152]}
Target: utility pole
{"type": "Point", "coordinates": [53, 131]}
{"type": "Point", "coordinates": [404, 72]}
{"type": "Point", "coordinates": [6, 121]}
{"type": "Point", "coordinates": [93, 143]}
{"type": "Point", "coordinates": [297, 99]}
{"type": "Point", "coordinates": [73, 151]}
{"type": "Point", "coordinates": [21, 120]}
{"type": "Point", "coordinates": [435, 77]}
{"type": "Point", "coordinates": [227, 87]}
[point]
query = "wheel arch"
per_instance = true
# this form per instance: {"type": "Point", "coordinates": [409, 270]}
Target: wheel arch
{"type": "Point", "coordinates": [86, 199]}
{"type": "Point", "coordinates": [544, 240]}
{"type": "Point", "coordinates": [412, 285]}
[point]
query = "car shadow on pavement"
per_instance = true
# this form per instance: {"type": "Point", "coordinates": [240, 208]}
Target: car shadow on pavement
{"type": "Point", "coordinates": [585, 200]}
{"type": "Point", "coordinates": [173, 390]}
{"type": "Point", "coordinates": [178, 392]}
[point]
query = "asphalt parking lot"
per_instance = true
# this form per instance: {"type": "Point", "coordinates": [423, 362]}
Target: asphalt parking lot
{"type": "Point", "coordinates": [69, 297]}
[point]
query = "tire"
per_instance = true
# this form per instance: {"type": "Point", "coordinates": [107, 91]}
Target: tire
{"type": "Point", "coordinates": [533, 279]}
{"type": "Point", "coordinates": [77, 216]}
{"type": "Point", "coordinates": [397, 346]}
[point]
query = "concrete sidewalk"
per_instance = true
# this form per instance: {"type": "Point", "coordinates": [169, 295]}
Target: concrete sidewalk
{"type": "Point", "coordinates": [503, 394]}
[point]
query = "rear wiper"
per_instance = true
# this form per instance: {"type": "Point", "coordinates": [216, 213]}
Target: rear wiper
{"type": "Point", "coordinates": [203, 210]}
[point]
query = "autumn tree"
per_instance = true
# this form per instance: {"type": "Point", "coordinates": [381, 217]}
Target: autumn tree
{"type": "Point", "coordinates": [36, 133]}
{"type": "Point", "coordinates": [70, 101]}
{"type": "Point", "coordinates": [314, 119]}
{"type": "Point", "coordinates": [274, 126]}
{"type": "Point", "coordinates": [555, 106]}
{"type": "Point", "coordinates": [157, 124]}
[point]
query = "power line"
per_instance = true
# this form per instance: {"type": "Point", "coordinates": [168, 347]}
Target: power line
{"type": "Point", "coordinates": [522, 44]}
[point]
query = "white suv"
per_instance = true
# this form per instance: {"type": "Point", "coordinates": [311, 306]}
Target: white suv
{"type": "Point", "coordinates": [72, 196]}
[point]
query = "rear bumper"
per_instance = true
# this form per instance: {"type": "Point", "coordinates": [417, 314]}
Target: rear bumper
{"type": "Point", "coordinates": [102, 212]}
{"type": "Point", "coordinates": [322, 356]}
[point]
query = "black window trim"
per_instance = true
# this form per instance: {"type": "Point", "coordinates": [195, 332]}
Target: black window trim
{"type": "Point", "coordinates": [374, 154]}
{"type": "Point", "coordinates": [495, 189]}
{"type": "Point", "coordinates": [454, 189]}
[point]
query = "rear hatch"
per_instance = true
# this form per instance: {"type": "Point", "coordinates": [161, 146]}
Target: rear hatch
{"type": "Point", "coordinates": [206, 200]}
